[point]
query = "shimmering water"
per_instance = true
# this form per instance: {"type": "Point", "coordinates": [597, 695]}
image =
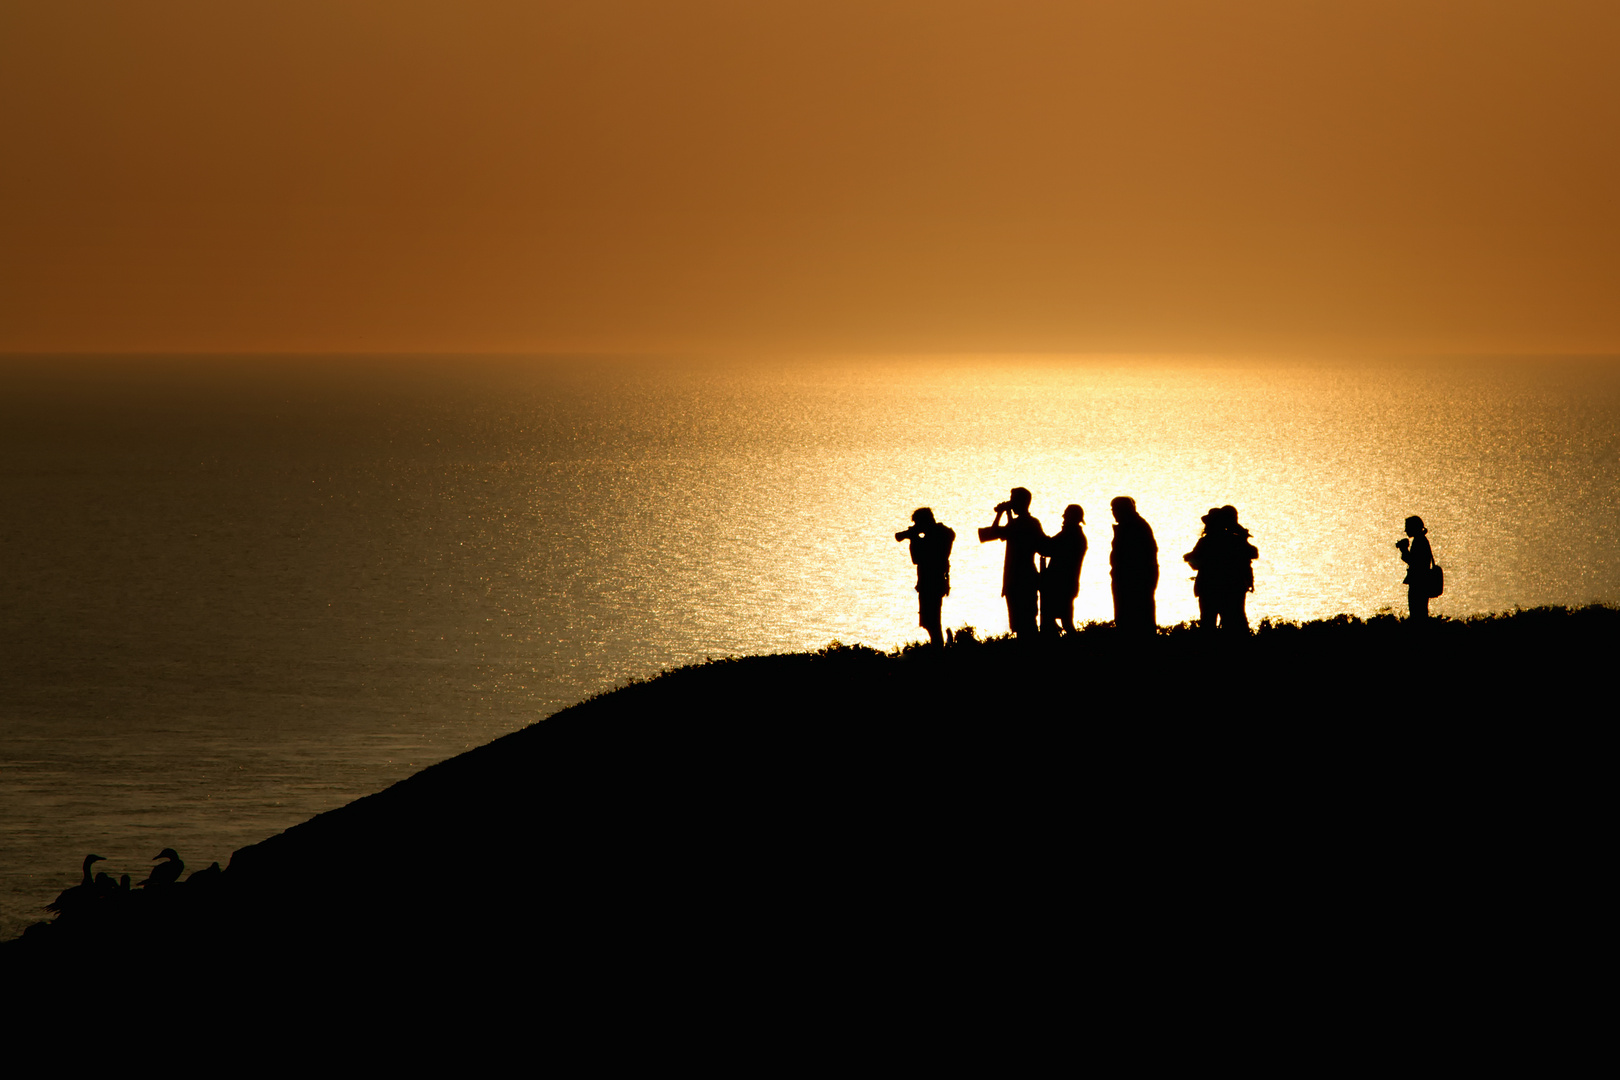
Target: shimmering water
{"type": "Point", "coordinates": [233, 597]}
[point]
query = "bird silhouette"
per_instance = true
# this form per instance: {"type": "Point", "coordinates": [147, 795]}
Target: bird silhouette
{"type": "Point", "coordinates": [203, 877]}
{"type": "Point", "coordinates": [76, 898]}
{"type": "Point", "coordinates": [165, 873]}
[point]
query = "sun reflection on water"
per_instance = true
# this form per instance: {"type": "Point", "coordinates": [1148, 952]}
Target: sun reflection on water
{"type": "Point", "coordinates": [1323, 463]}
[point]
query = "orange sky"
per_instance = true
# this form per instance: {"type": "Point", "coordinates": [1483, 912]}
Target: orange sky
{"type": "Point", "coordinates": [336, 175]}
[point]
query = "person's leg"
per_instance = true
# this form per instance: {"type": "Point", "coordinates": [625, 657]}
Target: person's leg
{"type": "Point", "coordinates": [928, 616]}
{"type": "Point", "coordinates": [1417, 602]}
{"type": "Point", "coordinates": [1021, 611]}
{"type": "Point", "coordinates": [1133, 609]}
{"type": "Point", "coordinates": [1208, 610]}
{"type": "Point", "coordinates": [1065, 615]}
{"type": "Point", "coordinates": [1234, 613]}
{"type": "Point", "coordinates": [1129, 612]}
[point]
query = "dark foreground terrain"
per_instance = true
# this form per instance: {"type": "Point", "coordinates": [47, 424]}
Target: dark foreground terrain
{"type": "Point", "coordinates": [1322, 794]}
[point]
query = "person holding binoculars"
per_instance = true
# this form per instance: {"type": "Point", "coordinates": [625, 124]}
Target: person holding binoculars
{"type": "Point", "coordinates": [1020, 578]}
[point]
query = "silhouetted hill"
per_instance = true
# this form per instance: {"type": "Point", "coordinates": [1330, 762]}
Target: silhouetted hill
{"type": "Point", "coordinates": [1086, 800]}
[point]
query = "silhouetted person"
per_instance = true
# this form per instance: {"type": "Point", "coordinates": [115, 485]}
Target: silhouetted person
{"type": "Point", "coordinates": [1419, 560]}
{"type": "Point", "coordinates": [1224, 559]}
{"type": "Point", "coordinates": [1134, 567]}
{"type": "Point", "coordinates": [931, 550]}
{"type": "Point", "coordinates": [1020, 580]}
{"type": "Point", "coordinates": [1060, 571]}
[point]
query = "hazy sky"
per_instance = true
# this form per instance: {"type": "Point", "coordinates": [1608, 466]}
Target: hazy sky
{"type": "Point", "coordinates": [627, 174]}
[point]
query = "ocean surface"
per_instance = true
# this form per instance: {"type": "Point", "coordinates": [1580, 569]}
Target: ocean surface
{"type": "Point", "coordinates": [235, 593]}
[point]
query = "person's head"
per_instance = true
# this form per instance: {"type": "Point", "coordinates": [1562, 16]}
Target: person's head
{"type": "Point", "coordinates": [922, 517]}
{"type": "Point", "coordinates": [1414, 526]}
{"type": "Point", "coordinates": [1229, 514]}
{"type": "Point", "coordinates": [1074, 514]}
{"type": "Point", "coordinates": [1020, 498]}
{"type": "Point", "coordinates": [1212, 519]}
{"type": "Point", "coordinates": [1124, 507]}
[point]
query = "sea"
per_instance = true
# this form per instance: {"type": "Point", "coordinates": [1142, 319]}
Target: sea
{"type": "Point", "coordinates": [236, 592]}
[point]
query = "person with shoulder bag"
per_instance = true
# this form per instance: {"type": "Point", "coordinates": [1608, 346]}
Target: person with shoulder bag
{"type": "Point", "coordinates": [1424, 579]}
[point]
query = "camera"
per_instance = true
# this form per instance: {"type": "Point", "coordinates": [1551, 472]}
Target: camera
{"type": "Point", "coordinates": [1003, 507]}
{"type": "Point", "coordinates": [1403, 544]}
{"type": "Point", "coordinates": [909, 534]}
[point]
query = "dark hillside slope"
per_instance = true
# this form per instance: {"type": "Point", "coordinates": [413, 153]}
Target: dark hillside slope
{"type": "Point", "coordinates": [993, 799]}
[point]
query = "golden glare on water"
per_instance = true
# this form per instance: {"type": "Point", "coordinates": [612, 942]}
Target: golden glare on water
{"type": "Point", "coordinates": [570, 525]}
{"type": "Point", "coordinates": [1324, 463]}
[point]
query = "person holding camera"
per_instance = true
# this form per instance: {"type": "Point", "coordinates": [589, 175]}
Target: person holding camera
{"type": "Point", "coordinates": [931, 551]}
{"type": "Point", "coordinates": [1419, 559]}
{"type": "Point", "coordinates": [1020, 579]}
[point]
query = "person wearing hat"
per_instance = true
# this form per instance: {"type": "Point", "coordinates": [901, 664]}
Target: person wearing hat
{"type": "Point", "coordinates": [1133, 565]}
{"type": "Point", "coordinates": [1060, 572]}
{"type": "Point", "coordinates": [931, 552]}
{"type": "Point", "coordinates": [1224, 560]}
